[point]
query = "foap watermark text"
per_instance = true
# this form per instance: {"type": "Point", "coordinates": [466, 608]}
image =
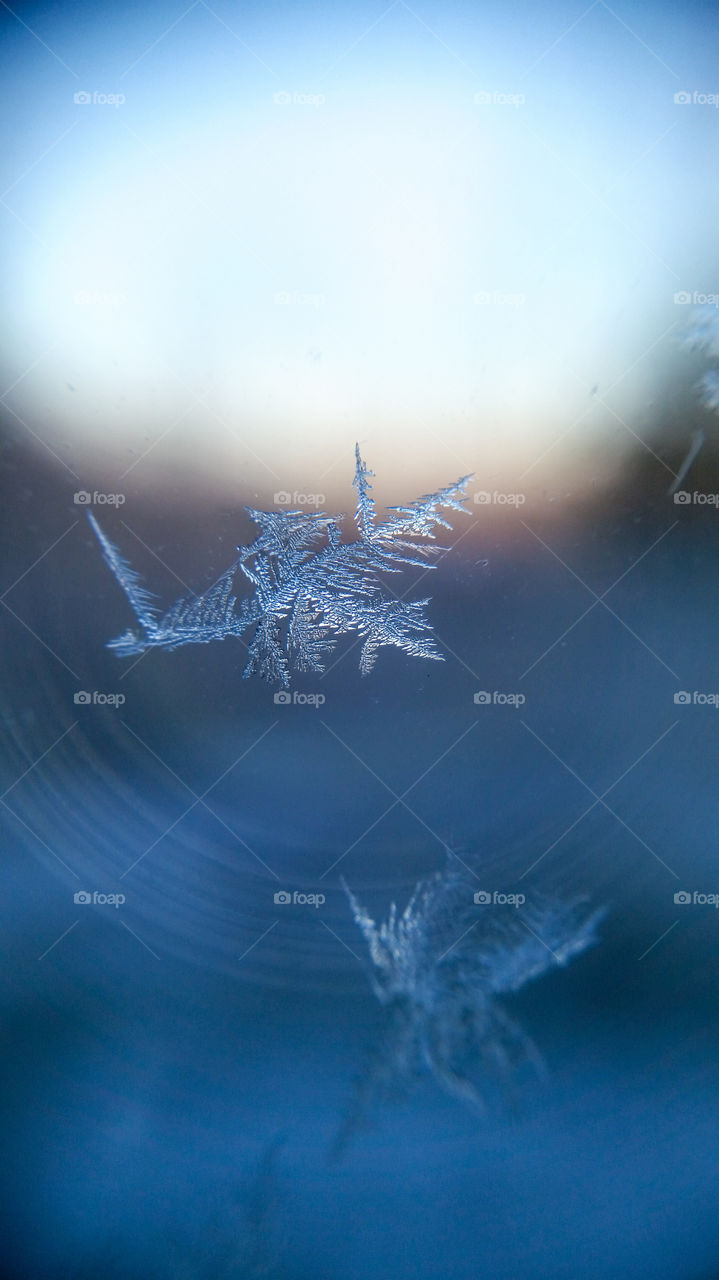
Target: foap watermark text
{"type": "Point", "coordinates": [683, 698]}
{"type": "Point", "coordinates": [696, 899]}
{"type": "Point", "coordinates": [496, 898]}
{"type": "Point", "coordinates": [498, 98]}
{"type": "Point", "coordinates": [485, 498]}
{"type": "Point", "coordinates": [697, 299]}
{"type": "Point", "coordinates": [293, 298]}
{"type": "Point", "coordinates": [696, 98]}
{"type": "Point", "coordinates": [283, 698]}
{"type": "Point", "coordinates": [498, 298]}
{"type": "Point", "coordinates": [85, 698]}
{"type": "Point", "coordinates": [495, 698]}
{"type": "Point", "coordinates": [683, 498]}
{"type": "Point", "coordinates": [83, 498]}
{"type": "Point", "coordinates": [284, 898]}
{"type": "Point", "coordinates": [283, 498]}
{"type": "Point", "coordinates": [97, 99]}
{"type": "Point", "coordinates": [285, 98]}
{"type": "Point", "coordinates": [84, 898]}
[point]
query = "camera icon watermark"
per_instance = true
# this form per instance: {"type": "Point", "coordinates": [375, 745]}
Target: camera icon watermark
{"type": "Point", "coordinates": [498, 298]}
{"type": "Point", "coordinates": [684, 898]}
{"type": "Point", "coordinates": [83, 498]}
{"type": "Point", "coordinates": [283, 498]}
{"type": "Point", "coordinates": [294, 298]}
{"type": "Point", "coordinates": [483, 898]}
{"type": "Point", "coordinates": [84, 99]}
{"type": "Point", "coordinates": [498, 699]}
{"type": "Point", "coordinates": [283, 698]}
{"type": "Point", "coordinates": [483, 498]}
{"type": "Point", "coordinates": [696, 298]}
{"type": "Point", "coordinates": [284, 898]}
{"type": "Point", "coordinates": [683, 498]}
{"type": "Point", "coordinates": [283, 98]}
{"type": "Point", "coordinates": [496, 98]}
{"type": "Point", "coordinates": [83, 698]}
{"type": "Point", "coordinates": [698, 698]}
{"type": "Point", "coordinates": [83, 898]}
{"type": "Point", "coordinates": [684, 98]}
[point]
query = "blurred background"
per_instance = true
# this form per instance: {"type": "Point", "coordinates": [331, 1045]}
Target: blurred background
{"type": "Point", "coordinates": [237, 240]}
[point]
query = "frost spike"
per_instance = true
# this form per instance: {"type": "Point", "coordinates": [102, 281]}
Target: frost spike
{"type": "Point", "coordinates": [140, 598]}
{"type": "Point", "coordinates": [364, 515]}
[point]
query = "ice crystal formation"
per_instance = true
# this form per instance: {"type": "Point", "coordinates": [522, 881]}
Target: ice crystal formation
{"type": "Point", "coordinates": [310, 587]}
{"type": "Point", "coordinates": [701, 333]}
{"type": "Point", "coordinates": [440, 970]}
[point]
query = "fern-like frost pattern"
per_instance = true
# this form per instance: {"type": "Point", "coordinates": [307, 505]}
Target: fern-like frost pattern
{"type": "Point", "coordinates": [440, 969]}
{"type": "Point", "coordinates": [309, 587]}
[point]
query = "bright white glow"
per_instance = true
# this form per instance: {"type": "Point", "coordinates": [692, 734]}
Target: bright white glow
{"type": "Point", "coordinates": [395, 259]}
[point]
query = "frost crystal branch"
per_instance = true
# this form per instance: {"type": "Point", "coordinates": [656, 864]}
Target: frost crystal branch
{"type": "Point", "coordinates": [701, 333]}
{"type": "Point", "coordinates": [309, 587]}
{"type": "Point", "coordinates": [439, 970]}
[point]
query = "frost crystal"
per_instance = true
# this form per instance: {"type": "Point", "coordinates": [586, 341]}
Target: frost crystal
{"type": "Point", "coordinates": [701, 333]}
{"type": "Point", "coordinates": [309, 587]}
{"type": "Point", "coordinates": [709, 390]}
{"type": "Point", "coordinates": [438, 970]}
